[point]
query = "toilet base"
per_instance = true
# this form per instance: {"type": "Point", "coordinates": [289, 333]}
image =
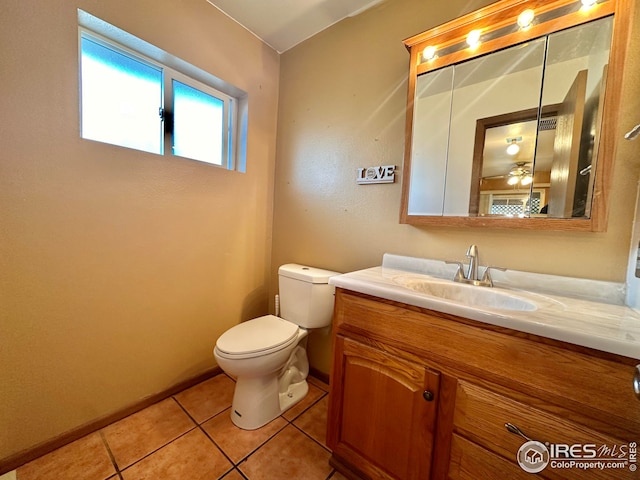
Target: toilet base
{"type": "Point", "coordinates": [257, 401]}
{"type": "Point", "coordinates": [295, 393]}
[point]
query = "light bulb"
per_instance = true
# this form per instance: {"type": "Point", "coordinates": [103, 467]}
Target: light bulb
{"type": "Point", "coordinates": [473, 39]}
{"type": "Point", "coordinates": [513, 148]}
{"type": "Point", "coordinates": [526, 180]}
{"type": "Point", "coordinates": [525, 19]}
{"type": "Point", "coordinates": [589, 3]}
{"type": "Point", "coordinates": [429, 53]}
{"type": "Point", "coordinates": [513, 180]}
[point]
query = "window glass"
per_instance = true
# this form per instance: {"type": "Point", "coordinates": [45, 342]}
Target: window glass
{"type": "Point", "coordinates": [121, 98]}
{"type": "Point", "coordinates": [198, 124]}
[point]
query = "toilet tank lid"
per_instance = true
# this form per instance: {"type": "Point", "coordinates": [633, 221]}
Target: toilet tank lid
{"type": "Point", "coordinates": [305, 273]}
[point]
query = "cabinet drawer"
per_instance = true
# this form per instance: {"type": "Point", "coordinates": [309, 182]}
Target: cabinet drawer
{"type": "Point", "coordinates": [472, 462]}
{"type": "Point", "coordinates": [480, 415]}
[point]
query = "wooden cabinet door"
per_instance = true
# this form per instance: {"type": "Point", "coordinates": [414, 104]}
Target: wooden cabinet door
{"type": "Point", "coordinates": [382, 412]}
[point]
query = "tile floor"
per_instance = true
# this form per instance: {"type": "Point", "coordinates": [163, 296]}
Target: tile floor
{"type": "Point", "coordinates": [190, 437]}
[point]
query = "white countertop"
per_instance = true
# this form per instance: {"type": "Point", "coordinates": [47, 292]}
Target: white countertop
{"type": "Point", "coordinates": [579, 311]}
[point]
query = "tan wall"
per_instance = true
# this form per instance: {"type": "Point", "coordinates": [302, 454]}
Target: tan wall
{"type": "Point", "coordinates": [342, 104]}
{"type": "Point", "coordinates": [119, 269]}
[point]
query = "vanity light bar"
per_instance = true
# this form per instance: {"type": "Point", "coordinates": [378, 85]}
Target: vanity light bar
{"type": "Point", "coordinates": [429, 53]}
{"type": "Point", "coordinates": [473, 39]}
{"type": "Point", "coordinates": [525, 20]}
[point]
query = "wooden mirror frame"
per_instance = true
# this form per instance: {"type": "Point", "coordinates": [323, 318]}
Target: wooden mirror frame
{"type": "Point", "coordinates": [490, 19]}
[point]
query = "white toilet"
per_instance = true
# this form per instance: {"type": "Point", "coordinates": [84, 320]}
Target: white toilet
{"type": "Point", "coordinates": [267, 354]}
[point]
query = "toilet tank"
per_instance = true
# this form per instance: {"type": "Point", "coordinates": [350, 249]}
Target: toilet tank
{"type": "Point", "coordinates": [306, 298]}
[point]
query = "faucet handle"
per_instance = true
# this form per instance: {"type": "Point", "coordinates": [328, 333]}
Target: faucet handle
{"type": "Point", "coordinates": [459, 276]}
{"type": "Point", "coordinates": [486, 277]}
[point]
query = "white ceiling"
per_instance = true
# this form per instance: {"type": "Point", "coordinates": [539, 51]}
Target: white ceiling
{"type": "Point", "coordinates": [282, 24]}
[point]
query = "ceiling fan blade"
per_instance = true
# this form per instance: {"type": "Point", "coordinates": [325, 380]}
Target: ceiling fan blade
{"type": "Point", "coordinates": [495, 176]}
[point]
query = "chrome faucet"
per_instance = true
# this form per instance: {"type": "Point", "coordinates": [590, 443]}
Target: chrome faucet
{"type": "Point", "coordinates": [472, 255]}
{"type": "Point", "coordinates": [472, 277]}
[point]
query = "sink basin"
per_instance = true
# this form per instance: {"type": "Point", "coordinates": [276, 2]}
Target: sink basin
{"type": "Point", "coordinates": [465, 294]}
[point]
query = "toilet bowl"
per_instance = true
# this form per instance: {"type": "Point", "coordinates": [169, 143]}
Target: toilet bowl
{"type": "Point", "coordinates": [255, 352]}
{"type": "Point", "coordinates": [267, 354]}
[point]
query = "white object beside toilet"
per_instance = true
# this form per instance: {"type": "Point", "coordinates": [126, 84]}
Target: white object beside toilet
{"type": "Point", "coordinates": [266, 355]}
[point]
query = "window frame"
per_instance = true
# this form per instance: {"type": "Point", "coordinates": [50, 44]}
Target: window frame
{"type": "Point", "coordinates": [235, 101]}
{"type": "Point", "coordinates": [133, 55]}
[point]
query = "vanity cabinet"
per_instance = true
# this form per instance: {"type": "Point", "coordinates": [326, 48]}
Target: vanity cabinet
{"type": "Point", "coordinates": [421, 394]}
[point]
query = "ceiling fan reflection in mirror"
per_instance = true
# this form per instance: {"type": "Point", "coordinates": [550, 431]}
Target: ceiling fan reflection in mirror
{"type": "Point", "coordinates": [520, 173]}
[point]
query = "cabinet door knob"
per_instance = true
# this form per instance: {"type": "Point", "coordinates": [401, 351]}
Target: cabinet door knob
{"type": "Point", "coordinates": [636, 382]}
{"type": "Point", "coordinates": [427, 395]}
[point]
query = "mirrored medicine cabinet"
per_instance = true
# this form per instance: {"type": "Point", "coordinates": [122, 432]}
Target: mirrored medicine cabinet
{"type": "Point", "coordinates": [512, 116]}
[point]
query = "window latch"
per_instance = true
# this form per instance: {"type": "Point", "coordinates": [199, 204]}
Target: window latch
{"type": "Point", "coordinates": [161, 113]}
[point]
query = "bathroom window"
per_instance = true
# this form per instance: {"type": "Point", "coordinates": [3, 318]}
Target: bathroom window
{"type": "Point", "coordinates": [130, 99]}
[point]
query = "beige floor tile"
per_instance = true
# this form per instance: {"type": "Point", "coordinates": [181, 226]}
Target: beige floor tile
{"type": "Point", "coordinates": [314, 421]}
{"type": "Point", "coordinates": [233, 475]}
{"type": "Point", "coordinates": [288, 455]}
{"type": "Point", "coordinates": [192, 456]}
{"type": "Point", "coordinates": [162, 442]}
{"type": "Point", "coordinates": [84, 459]}
{"type": "Point", "coordinates": [139, 434]}
{"type": "Point", "coordinates": [235, 442]}
{"type": "Point", "coordinates": [207, 398]}
{"type": "Point", "coordinates": [313, 396]}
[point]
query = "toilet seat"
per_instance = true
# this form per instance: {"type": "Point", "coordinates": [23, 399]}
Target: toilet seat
{"type": "Point", "coordinates": [257, 337]}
